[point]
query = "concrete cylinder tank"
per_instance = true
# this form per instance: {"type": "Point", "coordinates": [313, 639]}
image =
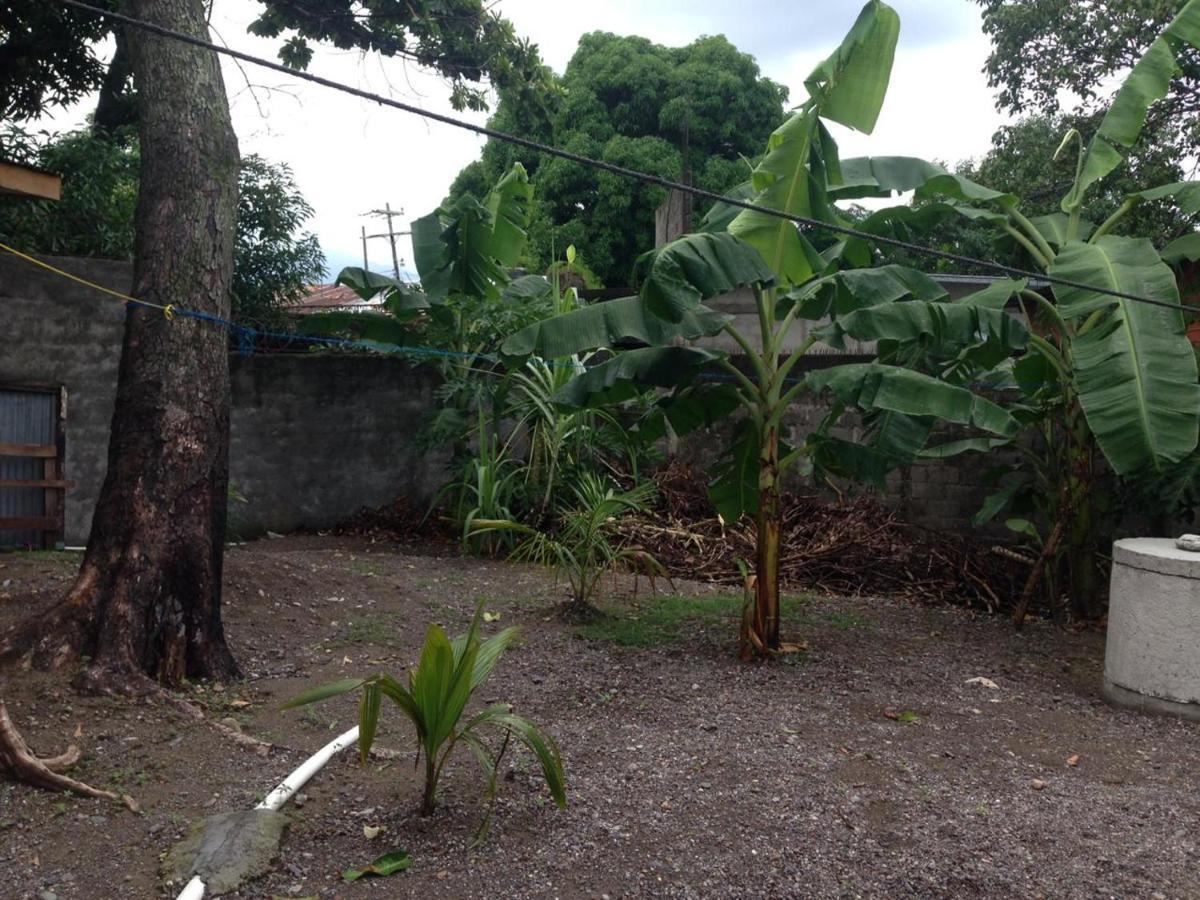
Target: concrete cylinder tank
{"type": "Point", "coordinates": [1152, 656]}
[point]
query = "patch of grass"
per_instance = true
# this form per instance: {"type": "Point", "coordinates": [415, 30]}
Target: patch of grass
{"type": "Point", "coordinates": [661, 620]}
{"type": "Point", "coordinates": [313, 719]}
{"type": "Point", "coordinates": [379, 631]}
{"type": "Point", "coordinates": [66, 557]}
{"type": "Point", "coordinates": [362, 567]}
{"type": "Point", "coordinates": [844, 621]}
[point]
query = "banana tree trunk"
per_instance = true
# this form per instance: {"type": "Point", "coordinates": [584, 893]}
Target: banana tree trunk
{"type": "Point", "coordinates": [760, 629]}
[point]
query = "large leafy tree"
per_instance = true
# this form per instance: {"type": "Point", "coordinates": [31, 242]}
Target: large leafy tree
{"type": "Point", "coordinates": [147, 600]}
{"type": "Point", "coordinates": [273, 261]}
{"type": "Point", "coordinates": [1023, 161]}
{"type": "Point", "coordinates": [1059, 56]}
{"type": "Point", "coordinates": [702, 108]}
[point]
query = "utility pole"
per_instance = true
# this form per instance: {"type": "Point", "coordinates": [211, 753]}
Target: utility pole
{"type": "Point", "coordinates": [364, 240]}
{"type": "Point", "coordinates": [391, 234]}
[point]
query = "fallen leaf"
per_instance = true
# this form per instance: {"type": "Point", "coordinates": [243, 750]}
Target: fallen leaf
{"type": "Point", "coordinates": [491, 617]}
{"type": "Point", "coordinates": [1073, 760]}
{"type": "Point", "coordinates": [1037, 784]}
{"type": "Point", "coordinates": [370, 832]}
{"type": "Point", "coordinates": [239, 704]}
{"type": "Point", "coordinates": [791, 730]}
{"type": "Point", "coordinates": [891, 714]}
{"type": "Point", "coordinates": [983, 682]}
{"type": "Point", "coordinates": [130, 803]}
{"type": "Point", "coordinates": [79, 729]}
{"type": "Point", "coordinates": [346, 660]}
{"type": "Point", "coordinates": [390, 863]}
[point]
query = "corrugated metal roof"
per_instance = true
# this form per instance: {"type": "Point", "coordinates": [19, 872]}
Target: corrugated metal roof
{"type": "Point", "coordinates": [320, 298]}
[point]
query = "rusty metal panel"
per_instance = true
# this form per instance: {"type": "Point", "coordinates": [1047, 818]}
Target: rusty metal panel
{"type": "Point", "coordinates": [26, 417]}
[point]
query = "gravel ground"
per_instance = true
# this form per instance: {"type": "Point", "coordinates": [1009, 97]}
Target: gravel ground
{"type": "Point", "coordinates": [868, 766]}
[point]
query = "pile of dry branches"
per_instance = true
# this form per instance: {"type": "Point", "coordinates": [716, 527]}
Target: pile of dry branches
{"type": "Point", "coordinates": [856, 547]}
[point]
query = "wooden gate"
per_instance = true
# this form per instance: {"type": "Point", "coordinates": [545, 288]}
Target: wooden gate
{"type": "Point", "coordinates": [32, 488]}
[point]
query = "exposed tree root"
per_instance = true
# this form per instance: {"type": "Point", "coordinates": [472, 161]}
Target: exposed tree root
{"type": "Point", "coordinates": [20, 762]}
{"type": "Point", "coordinates": [191, 710]}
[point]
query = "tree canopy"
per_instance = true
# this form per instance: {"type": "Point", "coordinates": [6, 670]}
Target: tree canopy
{"type": "Point", "coordinates": [50, 55]}
{"type": "Point", "coordinates": [635, 103]}
{"type": "Point", "coordinates": [1022, 162]}
{"type": "Point", "coordinates": [1041, 48]}
{"type": "Point", "coordinates": [273, 257]}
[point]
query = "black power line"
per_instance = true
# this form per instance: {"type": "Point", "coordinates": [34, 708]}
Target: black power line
{"type": "Point", "coordinates": [622, 171]}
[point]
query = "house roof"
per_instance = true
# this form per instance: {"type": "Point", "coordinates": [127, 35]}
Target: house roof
{"type": "Point", "coordinates": [319, 298]}
{"type": "Point", "coordinates": [26, 181]}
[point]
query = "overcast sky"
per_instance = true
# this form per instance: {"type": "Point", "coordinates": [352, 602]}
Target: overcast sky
{"type": "Point", "coordinates": [350, 156]}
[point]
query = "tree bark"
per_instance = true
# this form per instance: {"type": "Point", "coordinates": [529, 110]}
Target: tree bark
{"type": "Point", "coordinates": [117, 105]}
{"type": "Point", "coordinates": [147, 599]}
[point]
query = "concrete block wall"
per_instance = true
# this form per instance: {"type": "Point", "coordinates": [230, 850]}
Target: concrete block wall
{"type": "Point", "coordinates": [54, 332]}
{"type": "Point", "coordinates": [314, 437]}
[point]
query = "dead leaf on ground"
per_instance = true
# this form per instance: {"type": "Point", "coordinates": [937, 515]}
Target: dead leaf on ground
{"type": "Point", "coordinates": [1073, 760]}
{"type": "Point", "coordinates": [983, 682]}
{"type": "Point", "coordinates": [1038, 785]}
{"type": "Point", "coordinates": [370, 832]}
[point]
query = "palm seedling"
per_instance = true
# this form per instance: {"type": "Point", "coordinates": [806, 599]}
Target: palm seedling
{"type": "Point", "coordinates": [435, 701]}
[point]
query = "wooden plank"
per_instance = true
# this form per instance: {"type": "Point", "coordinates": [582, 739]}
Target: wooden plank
{"type": "Point", "coordinates": [39, 451]}
{"type": "Point", "coordinates": [52, 500]}
{"type": "Point", "coordinates": [54, 484]}
{"type": "Point", "coordinates": [29, 523]}
{"type": "Point", "coordinates": [26, 182]}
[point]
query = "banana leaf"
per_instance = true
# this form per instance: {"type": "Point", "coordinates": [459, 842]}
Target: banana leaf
{"type": "Point", "coordinates": [509, 205]}
{"type": "Point", "coordinates": [630, 372]}
{"type": "Point", "coordinates": [875, 386]}
{"type": "Point", "coordinates": [465, 248]}
{"type": "Point", "coordinates": [1134, 367]}
{"type": "Point", "coordinates": [1148, 82]}
{"type": "Point", "coordinates": [946, 328]}
{"type": "Point", "coordinates": [368, 326]}
{"type": "Point", "coordinates": [883, 176]}
{"type": "Point", "coordinates": [849, 86]}
{"type": "Point", "coordinates": [1185, 194]}
{"type": "Point", "coordinates": [1185, 248]}
{"type": "Point", "coordinates": [844, 292]}
{"type": "Point", "coordinates": [734, 488]}
{"type": "Point", "coordinates": [1053, 228]}
{"type": "Point", "coordinates": [607, 324]}
{"type": "Point", "coordinates": [783, 182]}
{"type": "Point", "coordinates": [693, 268]}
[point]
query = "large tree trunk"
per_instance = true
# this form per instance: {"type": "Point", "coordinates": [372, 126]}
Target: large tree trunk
{"type": "Point", "coordinates": [147, 599]}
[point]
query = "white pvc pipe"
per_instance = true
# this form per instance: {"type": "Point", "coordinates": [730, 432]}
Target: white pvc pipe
{"type": "Point", "coordinates": [283, 792]}
{"type": "Point", "coordinates": [194, 890]}
{"type": "Point", "coordinates": [286, 788]}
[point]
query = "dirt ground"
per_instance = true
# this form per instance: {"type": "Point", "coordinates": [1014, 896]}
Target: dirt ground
{"type": "Point", "coordinates": [867, 766]}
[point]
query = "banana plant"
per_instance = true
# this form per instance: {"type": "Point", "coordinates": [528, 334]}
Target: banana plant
{"type": "Point", "coordinates": [650, 337]}
{"type": "Point", "coordinates": [466, 298]}
{"type": "Point", "coordinates": [1122, 374]}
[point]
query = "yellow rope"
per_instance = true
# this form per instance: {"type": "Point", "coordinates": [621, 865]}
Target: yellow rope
{"type": "Point", "coordinates": [124, 298]}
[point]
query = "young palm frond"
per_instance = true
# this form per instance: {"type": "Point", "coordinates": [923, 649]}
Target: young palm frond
{"type": "Point", "coordinates": [435, 700]}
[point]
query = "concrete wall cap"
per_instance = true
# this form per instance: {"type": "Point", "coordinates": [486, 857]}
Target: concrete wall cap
{"type": "Point", "coordinates": [1157, 555]}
